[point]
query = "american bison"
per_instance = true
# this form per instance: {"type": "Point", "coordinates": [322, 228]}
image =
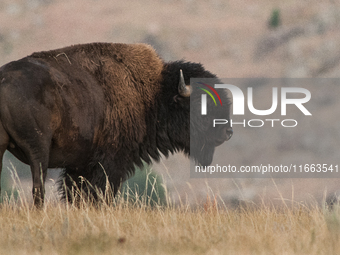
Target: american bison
{"type": "Point", "coordinates": [99, 110]}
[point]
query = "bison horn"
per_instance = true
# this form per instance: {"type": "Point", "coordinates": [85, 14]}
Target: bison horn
{"type": "Point", "coordinates": [183, 89]}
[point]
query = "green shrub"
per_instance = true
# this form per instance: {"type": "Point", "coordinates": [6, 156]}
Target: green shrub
{"type": "Point", "coordinates": [7, 190]}
{"type": "Point", "coordinates": [145, 187]}
{"type": "Point", "coordinates": [275, 19]}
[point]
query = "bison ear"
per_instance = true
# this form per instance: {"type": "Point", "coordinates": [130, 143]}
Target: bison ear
{"type": "Point", "coordinates": [183, 89]}
{"type": "Point", "coordinates": [178, 99]}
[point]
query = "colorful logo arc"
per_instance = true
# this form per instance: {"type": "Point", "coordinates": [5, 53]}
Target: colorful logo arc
{"type": "Point", "coordinates": [209, 93]}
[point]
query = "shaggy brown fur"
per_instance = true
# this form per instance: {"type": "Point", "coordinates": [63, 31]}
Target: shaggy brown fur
{"type": "Point", "coordinates": [130, 78]}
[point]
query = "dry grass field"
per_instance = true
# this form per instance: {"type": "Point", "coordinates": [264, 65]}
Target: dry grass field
{"type": "Point", "coordinates": [127, 229]}
{"type": "Point", "coordinates": [141, 228]}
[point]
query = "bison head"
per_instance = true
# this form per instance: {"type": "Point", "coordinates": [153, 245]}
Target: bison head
{"type": "Point", "coordinates": [197, 136]}
{"type": "Point", "coordinates": [204, 137]}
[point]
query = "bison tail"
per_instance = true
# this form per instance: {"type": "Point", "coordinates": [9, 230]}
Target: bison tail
{"type": "Point", "coordinates": [4, 141]}
{"type": "Point", "coordinates": [4, 137]}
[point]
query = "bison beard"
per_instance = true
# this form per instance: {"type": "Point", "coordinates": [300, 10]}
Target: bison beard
{"type": "Point", "coordinates": [99, 110]}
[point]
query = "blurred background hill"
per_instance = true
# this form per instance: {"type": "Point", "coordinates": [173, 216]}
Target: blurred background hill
{"type": "Point", "coordinates": [233, 39]}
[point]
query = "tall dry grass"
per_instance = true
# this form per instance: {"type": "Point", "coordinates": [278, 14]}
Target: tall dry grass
{"type": "Point", "coordinates": [139, 228]}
